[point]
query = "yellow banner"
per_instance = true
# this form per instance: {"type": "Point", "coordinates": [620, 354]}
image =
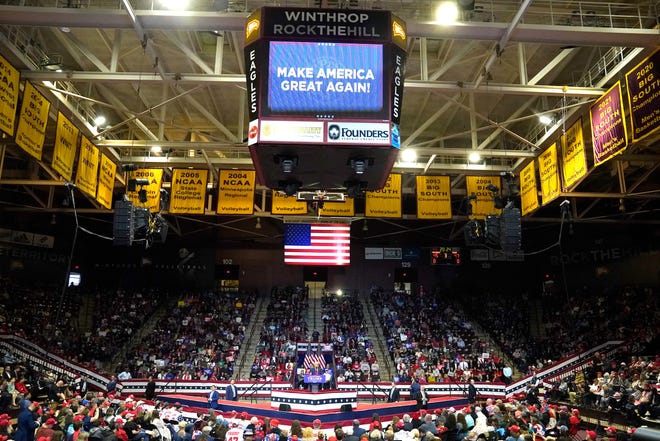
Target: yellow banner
{"type": "Point", "coordinates": [549, 174]}
{"type": "Point", "coordinates": [433, 197]}
{"type": "Point", "coordinates": [10, 78]}
{"type": "Point", "coordinates": [236, 192]}
{"type": "Point", "coordinates": [283, 204]}
{"type": "Point", "coordinates": [88, 167]}
{"type": "Point", "coordinates": [32, 120]}
{"type": "Point", "coordinates": [573, 155]}
{"type": "Point", "coordinates": [385, 202]}
{"type": "Point", "coordinates": [188, 191]}
{"type": "Point", "coordinates": [529, 199]}
{"type": "Point", "coordinates": [155, 178]}
{"type": "Point", "coordinates": [339, 209]}
{"type": "Point", "coordinates": [66, 145]}
{"type": "Point", "coordinates": [484, 204]}
{"type": "Point", "coordinates": [106, 182]}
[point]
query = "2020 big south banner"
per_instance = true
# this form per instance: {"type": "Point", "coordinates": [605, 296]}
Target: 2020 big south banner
{"type": "Point", "coordinates": [643, 82]}
{"type": "Point", "coordinates": [608, 125]}
{"type": "Point", "coordinates": [573, 156]}
{"type": "Point", "coordinates": [484, 204]}
{"type": "Point", "coordinates": [188, 192]}
{"type": "Point", "coordinates": [433, 197]}
{"type": "Point", "coordinates": [9, 91]}
{"type": "Point", "coordinates": [66, 145]}
{"type": "Point", "coordinates": [236, 192]}
{"type": "Point", "coordinates": [385, 202]}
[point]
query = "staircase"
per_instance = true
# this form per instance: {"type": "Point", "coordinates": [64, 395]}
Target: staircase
{"type": "Point", "coordinates": [253, 333]}
{"type": "Point", "coordinates": [383, 357]}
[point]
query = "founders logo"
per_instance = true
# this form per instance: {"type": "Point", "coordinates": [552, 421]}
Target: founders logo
{"type": "Point", "coordinates": [334, 132]}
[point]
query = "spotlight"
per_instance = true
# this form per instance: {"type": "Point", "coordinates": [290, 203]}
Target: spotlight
{"type": "Point", "coordinates": [287, 163]}
{"type": "Point", "coordinates": [355, 189]}
{"type": "Point", "coordinates": [360, 165]}
{"type": "Point", "coordinates": [142, 195]}
{"type": "Point", "coordinates": [447, 12]}
{"type": "Point", "coordinates": [492, 188]}
{"type": "Point", "coordinates": [474, 157]}
{"type": "Point", "coordinates": [290, 187]}
{"type": "Point", "coordinates": [545, 120]}
{"type": "Point", "coordinates": [408, 155]}
{"type": "Point", "coordinates": [99, 120]}
{"type": "Point", "coordinates": [258, 225]}
{"type": "Point", "coordinates": [133, 184]}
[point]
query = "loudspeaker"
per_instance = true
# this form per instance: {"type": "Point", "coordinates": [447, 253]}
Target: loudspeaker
{"type": "Point", "coordinates": [346, 408]}
{"type": "Point", "coordinates": [285, 407]}
{"type": "Point", "coordinates": [122, 223]}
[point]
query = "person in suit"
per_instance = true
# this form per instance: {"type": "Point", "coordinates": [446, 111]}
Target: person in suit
{"type": "Point", "coordinates": [414, 389]}
{"type": "Point", "coordinates": [395, 394]}
{"type": "Point", "coordinates": [422, 398]}
{"type": "Point", "coordinates": [231, 392]}
{"type": "Point", "coordinates": [472, 392]}
{"type": "Point", "coordinates": [214, 396]}
{"type": "Point", "coordinates": [150, 389]}
{"type": "Point", "coordinates": [316, 369]}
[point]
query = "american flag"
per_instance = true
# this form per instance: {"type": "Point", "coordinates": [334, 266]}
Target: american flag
{"type": "Point", "coordinates": [309, 360]}
{"type": "Point", "coordinates": [317, 244]}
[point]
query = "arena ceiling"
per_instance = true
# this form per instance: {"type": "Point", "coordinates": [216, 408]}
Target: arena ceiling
{"type": "Point", "coordinates": [175, 80]}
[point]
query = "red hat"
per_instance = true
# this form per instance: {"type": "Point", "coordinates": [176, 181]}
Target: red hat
{"type": "Point", "coordinates": [332, 438]}
{"type": "Point", "coordinates": [514, 428]}
{"type": "Point", "coordinates": [78, 418]}
{"type": "Point", "coordinates": [51, 422]}
{"type": "Point", "coordinates": [399, 424]}
{"type": "Point", "coordinates": [3, 438]}
{"type": "Point", "coordinates": [275, 422]}
{"type": "Point", "coordinates": [4, 423]}
{"type": "Point", "coordinates": [4, 416]}
{"type": "Point", "coordinates": [294, 438]}
{"type": "Point", "coordinates": [36, 404]}
{"type": "Point", "coordinates": [244, 415]}
{"type": "Point", "coordinates": [575, 412]}
{"type": "Point", "coordinates": [610, 429]}
{"type": "Point", "coordinates": [316, 422]}
{"type": "Point", "coordinates": [591, 434]}
{"type": "Point", "coordinates": [119, 421]}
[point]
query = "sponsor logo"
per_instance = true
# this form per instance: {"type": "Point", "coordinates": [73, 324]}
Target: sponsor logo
{"type": "Point", "coordinates": [253, 132]}
{"type": "Point", "coordinates": [333, 132]}
{"type": "Point", "coordinates": [293, 131]}
{"type": "Point", "coordinates": [251, 27]}
{"type": "Point", "coordinates": [398, 30]}
{"type": "Point", "coordinates": [396, 138]}
{"type": "Point", "coordinates": [372, 133]}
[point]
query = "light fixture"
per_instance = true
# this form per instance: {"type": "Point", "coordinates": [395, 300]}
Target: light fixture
{"type": "Point", "coordinates": [474, 157]}
{"type": "Point", "coordinates": [177, 5]}
{"type": "Point", "coordinates": [360, 165]}
{"type": "Point", "coordinates": [258, 225]}
{"type": "Point", "coordinates": [52, 63]}
{"type": "Point", "coordinates": [447, 12]}
{"type": "Point", "coordinates": [99, 120]}
{"type": "Point", "coordinates": [408, 155]}
{"type": "Point", "coordinates": [288, 163]}
{"type": "Point", "coordinates": [156, 149]}
{"type": "Point", "coordinates": [545, 120]}
{"type": "Point", "coordinates": [340, 292]}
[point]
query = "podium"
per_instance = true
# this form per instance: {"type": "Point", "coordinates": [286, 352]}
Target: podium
{"type": "Point", "coordinates": [315, 380]}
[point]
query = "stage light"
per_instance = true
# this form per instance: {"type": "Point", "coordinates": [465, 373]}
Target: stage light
{"type": "Point", "coordinates": [474, 157]}
{"type": "Point", "coordinates": [545, 120]}
{"type": "Point", "coordinates": [447, 12]}
{"type": "Point", "coordinates": [359, 166]}
{"type": "Point", "coordinates": [99, 121]}
{"type": "Point", "coordinates": [287, 163]}
{"type": "Point", "coordinates": [408, 155]}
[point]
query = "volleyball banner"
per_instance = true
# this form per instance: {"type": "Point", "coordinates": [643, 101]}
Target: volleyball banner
{"type": "Point", "coordinates": [88, 167]}
{"type": "Point", "coordinates": [32, 121]}
{"type": "Point", "coordinates": [236, 192]}
{"type": "Point", "coordinates": [608, 125]}
{"type": "Point", "coordinates": [484, 204]}
{"type": "Point", "coordinates": [339, 209]}
{"type": "Point", "coordinates": [106, 185]}
{"type": "Point", "coordinates": [9, 90]}
{"type": "Point", "coordinates": [188, 191]}
{"type": "Point", "coordinates": [283, 204]}
{"type": "Point", "coordinates": [155, 178]}
{"type": "Point", "coordinates": [529, 200]}
{"type": "Point", "coordinates": [66, 146]}
{"type": "Point", "coordinates": [573, 155]}
{"type": "Point", "coordinates": [385, 202]}
{"type": "Point", "coordinates": [433, 197]}
{"type": "Point", "coordinates": [549, 174]}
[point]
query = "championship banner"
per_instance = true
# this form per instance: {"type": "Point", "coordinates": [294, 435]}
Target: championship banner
{"type": "Point", "coordinates": [644, 97]}
{"type": "Point", "coordinates": [32, 120]}
{"type": "Point", "coordinates": [88, 167]}
{"type": "Point", "coordinates": [573, 156]}
{"type": "Point", "coordinates": [608, 125]}
{"type": "Point", "coordinates": [188, 191]}
{"type": "Point", "coordinates": [433, 197]}
{"type": "Point", "coordinates": [385, 202]}
{"type": "Point", "coordinates": [484, 204]}
{"type": "Point", "coordinates": [283, 204]}
{"type": "Point", "coordinates": [155, 178]}
{"type": "Point", "coordinates": [66, 144]}
{"type": "Point", "coordinates": [106, 185]}
{"type": "Point", "coordinates": [339, 209]}
{"type": "Point", "coordinates": [529, 200]}
{"type": "Point", "coordinates": [236, 192]}
{"type": "Point", "coordinates": [549, 174]}
{"type": "Point", "coordinates": [10, 78]}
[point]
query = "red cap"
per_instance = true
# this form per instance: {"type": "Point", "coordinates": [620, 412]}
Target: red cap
{"type": "Point", "coordinates": [119, 421]}
{"type": "Point", "coordinates": [399, 424]}
{"type": "Point", "coordinates": [591, 434]}
{"type": "Point", "coordinates": [275, 422]}
{"type": "Point", "coordinates": [4, 423]}
{"type": "Point", "coordinates": [78, 418]}
{"type": "Point", "coordinates": [514, 428]}
{"type": "Point", "coordinates": [611, 429]}
{"type": "Point", "coordinates": [51, 421]}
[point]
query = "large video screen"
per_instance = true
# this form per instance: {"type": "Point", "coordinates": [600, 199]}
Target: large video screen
{"type": "Point", "coordinates": [325, 79]}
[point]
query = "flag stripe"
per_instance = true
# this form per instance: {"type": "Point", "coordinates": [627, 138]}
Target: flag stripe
{"type": "Point", "coordinates": [317, 244]}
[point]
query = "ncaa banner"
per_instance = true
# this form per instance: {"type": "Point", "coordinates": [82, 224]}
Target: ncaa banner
{"type": "Point", "coordinates": [10, 78]}
{"type": "Point", "coordinates": [549, 174]}
{"type": "Point", "coordinates": [529, 200]}
{"type": "Point", "coordinates": [433, 197]}
{"type": "Point", "coordinates": [484, 204]}
{"type": "Point", "coordinates": [32, 120]}
{"type": "Point", "coordinates": [339, 209]}
{"type": "Point", "coordinates": [188, 191]}
{"type": "Point", "coordinates": [608, 125]}
{"type": "Point", "coordinates": [66, 144]}
{"type": "Point", "coordinates": [88, 167]}
{"type": "Point", "coordinates": [236, 192]}
{"type": "Point", "coordinates": [573, 156]}
{"type": "Point", "coordinates": [644, 97]}
{"type": "Point", "coordinates": [106, 182]}
{"type": "Point", "coordinates": [155, 178]}
{"type": "Point", "coordinates": [283, 204]}
{"type": "Point", "coordinates": [385, 202]}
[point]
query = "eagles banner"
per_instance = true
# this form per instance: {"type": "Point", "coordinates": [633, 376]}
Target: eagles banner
{"type": "Point", "coordinates": [573, 156]}
{"type": "Point", "coordinates": [433, 197]}
{"type": "Point", "coordinates": [283, 204]}
{"type": "Point", "coordinates": [66, 145]}
{"type": "Point", "coordinates": [529, 200]}
{"type": "Point", "coordinates": [608, 125]}
{"type": "Point", "coordinates": [155, 178]}
{"type": "Point", "coordinates": [32, 120]}
{"type": "Point", "coordinates": [236, 192]}
{"type": "Point", "coordinates": [10, 78]}
{"type": "Point", "coordinates": [188, 192]}
{"type": "Point", "coordinates": [643, 96]}
{"type": "Point", "coordinates": [106, 182]}
{"type": "Point", "coordinates": [385, 202]}
{"type": "Point", "coordinates": [549, 174]}
{"type": "Point", "coordinates": [339, 209]}
{"type": "Point", "coordinates": [484, 204]}
{"type": "Point", "coordinates": [88, 167]}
